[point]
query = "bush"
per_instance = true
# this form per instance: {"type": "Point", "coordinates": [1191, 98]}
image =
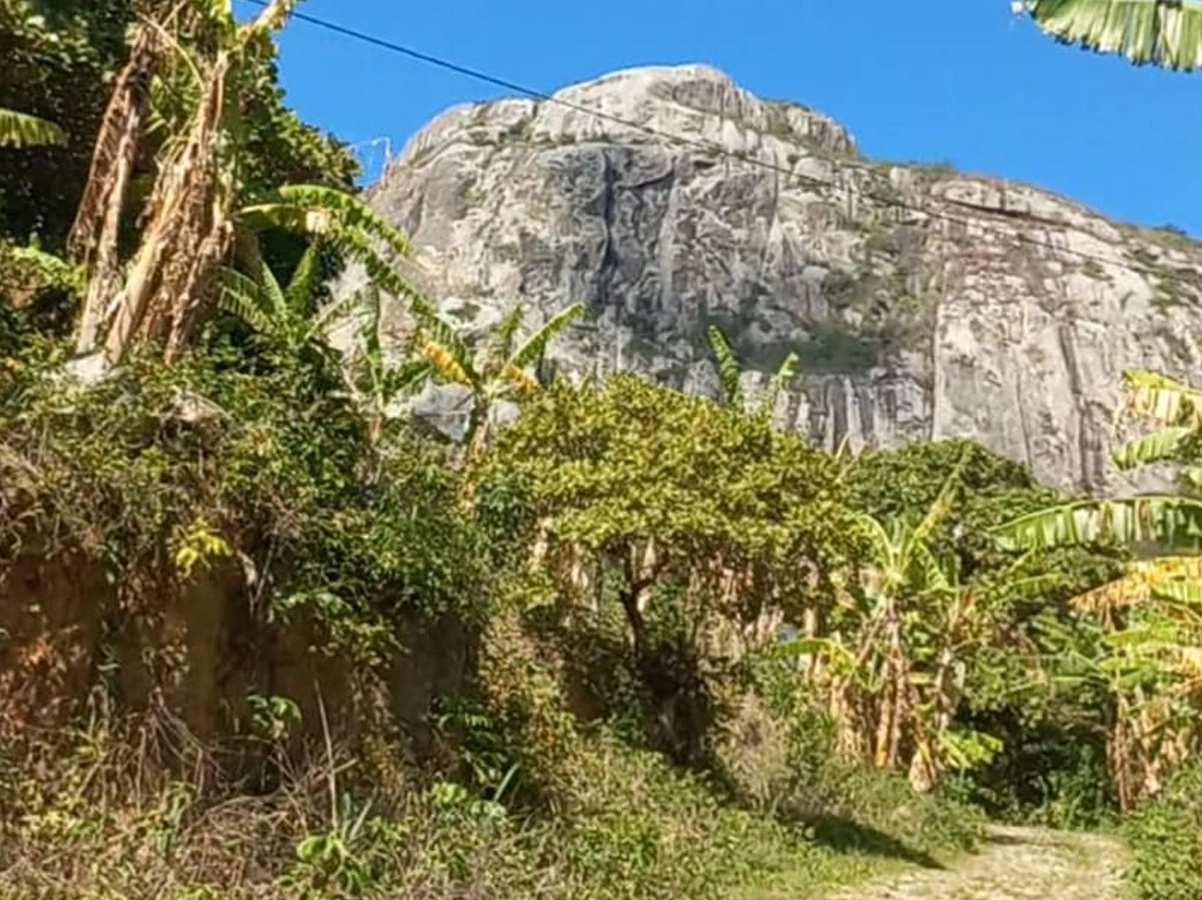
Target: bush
{"type": "Point", "coordinates": [1166, 841]}
{"type": "Point", "coordinates": [87, 823]}
{"type": "Point", "coordinates": [131, 467]}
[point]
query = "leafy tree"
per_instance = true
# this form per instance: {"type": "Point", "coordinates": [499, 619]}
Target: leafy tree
{"type": "Point", "coordinates": [702, 528]}
{"type": "Point", "coordinates": [730, 373]}
{"type": "Point", "coordinates": [660, 488]}
{"type": "Point", "coordinates": [1166, 33]}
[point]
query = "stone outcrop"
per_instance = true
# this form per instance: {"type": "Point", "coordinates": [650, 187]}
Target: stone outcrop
{"type": "Point", "coordinates": [922, 302]}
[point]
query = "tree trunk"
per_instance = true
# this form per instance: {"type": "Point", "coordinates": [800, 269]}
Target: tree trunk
{"type": "Point", "coordinates": [93, 242]}
{"type": "Point", "coordinates": [189, 216]}
{"type": "Point", "coordinates": [477, 443]}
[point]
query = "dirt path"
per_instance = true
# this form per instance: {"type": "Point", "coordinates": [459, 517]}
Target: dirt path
{"type": "Point", "coordinates": [1013, 864]}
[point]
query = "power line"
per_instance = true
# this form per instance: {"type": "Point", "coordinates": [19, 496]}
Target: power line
{"type": "Point", "coordinates": [541, 96]}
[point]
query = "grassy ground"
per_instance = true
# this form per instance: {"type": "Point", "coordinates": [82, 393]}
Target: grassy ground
{"type": "Point", "coordinates": [92, 825]}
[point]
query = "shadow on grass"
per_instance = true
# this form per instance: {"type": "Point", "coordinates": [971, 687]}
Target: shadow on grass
{"type": "Point", "coordinates": [848, 836]}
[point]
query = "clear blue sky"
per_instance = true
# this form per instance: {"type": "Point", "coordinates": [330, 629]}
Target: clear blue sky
{"type": "Point", "coordinates": [957, 80]}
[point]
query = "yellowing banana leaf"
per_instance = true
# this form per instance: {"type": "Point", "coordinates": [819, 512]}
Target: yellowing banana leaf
{"type": "Point", "coordinates": [1142, 582]}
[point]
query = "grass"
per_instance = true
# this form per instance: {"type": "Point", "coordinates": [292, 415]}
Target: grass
{"type": "Point", "coordinates": [90, 817]}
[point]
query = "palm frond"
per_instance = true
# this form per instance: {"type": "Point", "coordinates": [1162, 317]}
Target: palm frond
{"type": "Point", "coordinates": [880, 540]}
{"type": "Point", "coordinates": [925, 568]}
{"type": "Point", "coordinates": [507, 332]}
{"type": "Point", "coordinates": [273, 293]}
{"type": "Point", "coordinates": [838, 653]}
{"type": "Point", "coordinates": [536, 345]}
{"type": "Point", "coordinates": [1166, 33]}
{"type": "Point", "coordinates": [1184, 591]}
{"type": "Point", "coordinates": [942, 507]}
{"type": "Point", "coordinates": [406, 378]}
{"type": "Point", "coordinates": [1165, 445]}
{"type": "Point", "coordinates": [328, 209]}
{"type": "Point", "coordinates": [432, 326]}
{"type": "Point", "coordinates": [728, 366]}
{"type": "Point", "coordinates": [1160, 519]}
{"type": "Point", "coordinates": [356, 246]}
{"type": "Point", "coordinates": [22, 130]}
{"type": "Point", "coordinates": [1032, 586]}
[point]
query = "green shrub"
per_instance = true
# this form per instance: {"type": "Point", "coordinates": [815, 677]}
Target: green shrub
{"type": "Point", "coordinates": [82, 823]}
{"type": "Point", "coordinates": [130, 467]}
{"type": "Point", "coordinates": [1166, 841]}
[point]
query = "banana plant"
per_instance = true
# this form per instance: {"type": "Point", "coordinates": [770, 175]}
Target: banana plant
{"type": "Point", "coordinates": [23, 130]}
{"type": "Point", "coordinates": [902, 635]}
{"type": "Point", "coordinates": [1165, 33]}
{"type": "Point", "coordinates": [375, 384]}
{"type": "Point", "coordinates": [287, 316]}
{"type": "Point", "coordinates": [198, 201]}
{"type": "Point", "coordinates": [1154, 610]}
{"type": "Point", "coordinates": [498, 371]}
{"type": "Point", "coordinates": [730, 372]}
{"type": "Point", "coordinates": [1170, 522]}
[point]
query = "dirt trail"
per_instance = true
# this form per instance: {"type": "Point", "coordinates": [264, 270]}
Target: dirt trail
{"type": "Point", "coordinates": [1013, 864]}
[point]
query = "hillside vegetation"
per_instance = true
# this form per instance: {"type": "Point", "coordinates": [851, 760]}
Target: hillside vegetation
{"type": "Point", "coordinates": [264, 634]}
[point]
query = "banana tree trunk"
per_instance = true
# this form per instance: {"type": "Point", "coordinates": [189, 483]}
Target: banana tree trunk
{"type": "Point", "coordinates": [892, 708]}
{"type": "Point", "coordinates": [927, 765]}
{"type": "Point", "coordinates": [93, 241]}
{"type": "Point", "coordinates": [190, 217]}
{"type": "Point", "coordinates": [477, 443]}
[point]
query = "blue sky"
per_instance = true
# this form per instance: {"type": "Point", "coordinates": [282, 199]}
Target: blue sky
{"type": "Point", "coordinates": [956, 80]}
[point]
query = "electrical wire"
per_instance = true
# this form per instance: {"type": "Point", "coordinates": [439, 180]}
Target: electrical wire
{"type": "Point", "coordinates": [890, 199]}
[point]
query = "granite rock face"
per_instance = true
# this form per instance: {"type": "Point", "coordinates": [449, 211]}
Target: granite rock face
{"type": "Point", "coordinates": [923, 303]}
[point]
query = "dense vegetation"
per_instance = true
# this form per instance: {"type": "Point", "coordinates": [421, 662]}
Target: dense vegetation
{"type": "Point", "coordinates": [264, 634]}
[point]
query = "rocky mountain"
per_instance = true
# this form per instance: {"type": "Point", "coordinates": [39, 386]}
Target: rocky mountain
{"type": "Point", "coordinates": [922, 302]}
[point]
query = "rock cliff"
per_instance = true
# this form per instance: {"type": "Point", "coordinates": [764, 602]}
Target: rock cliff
{"type": "Point", "coordinates": [922, 302]}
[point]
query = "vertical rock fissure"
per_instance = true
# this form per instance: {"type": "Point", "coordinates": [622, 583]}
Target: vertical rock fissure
{"type": "Point", "coordinates": [1068, 351]}
{"type": "Point", "coordinates": [609, 258]}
